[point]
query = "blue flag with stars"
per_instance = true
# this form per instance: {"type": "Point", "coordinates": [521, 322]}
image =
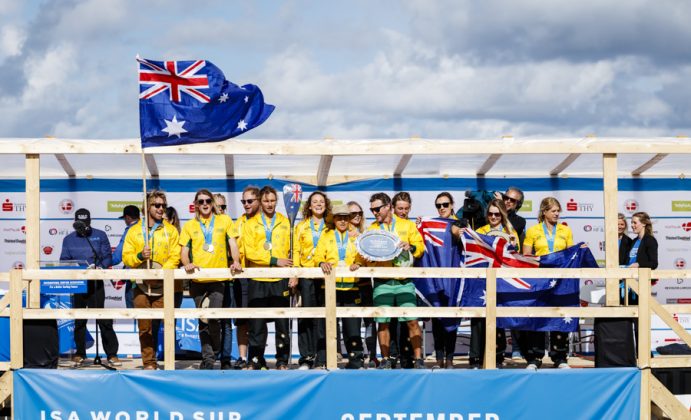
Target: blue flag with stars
{"type": "Point", "coordinates": [184, 102]}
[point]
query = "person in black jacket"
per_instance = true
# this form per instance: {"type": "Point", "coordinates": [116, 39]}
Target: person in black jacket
{"type": "Point", "coordinates": [615, 344]}
{"type": "Point", "coordinates": [625, 240]}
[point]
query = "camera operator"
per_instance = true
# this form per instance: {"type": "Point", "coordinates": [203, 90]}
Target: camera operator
{"type": "Point", "coordinates": [90, 245]}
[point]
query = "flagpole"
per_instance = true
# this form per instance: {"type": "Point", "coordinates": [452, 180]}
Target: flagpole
{"type": "Point", "coordinates": [145, 208]}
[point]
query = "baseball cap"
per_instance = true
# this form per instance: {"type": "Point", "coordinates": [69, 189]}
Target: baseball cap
{"type": "Point", "coordinates": [130, 210]}
{"type": "Point", "coordinates": [84, 215]}
{"type": "Point", "coordinates": [340, 209]}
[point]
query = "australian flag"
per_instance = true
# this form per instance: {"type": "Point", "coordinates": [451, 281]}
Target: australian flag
{"type": "Point", "coordinates": [440, 251]}
{"type": "Point", "coordinates": [481, 251]}
{"type": "Point", "coordinates": [183, 102]}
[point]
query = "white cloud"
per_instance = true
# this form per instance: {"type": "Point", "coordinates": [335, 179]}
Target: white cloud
{"type": "Point", "coordinates": [11, 41]}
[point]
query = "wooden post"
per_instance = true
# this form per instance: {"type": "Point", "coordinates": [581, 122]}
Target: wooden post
{"type": "Point", "coordinates": [644, 338]}
{"type": "Point", "coordinates": [32, 168]}
{"type": "Point", "coordinates": [490, 361]}
{"type": "Point", "coordinates": [169, 319]}
{"type": "Point", "coordinates": [16, 321]}
{"type": "Point", "coordinates": [330, 308]}
{"type": "Point", "coordinates": [609, 175]}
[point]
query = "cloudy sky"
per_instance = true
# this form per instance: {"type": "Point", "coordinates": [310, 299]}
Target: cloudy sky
{"type": "Point", "coordinates": [360, 69]}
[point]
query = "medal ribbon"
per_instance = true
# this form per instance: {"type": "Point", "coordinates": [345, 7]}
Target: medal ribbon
{"type": "Point", "coordinates": [316, 234]}
{"type": "Point", "coordinates": [633, 254]}
{"type": "Point", "coordinates": [549, 236]}
{"type": "Point", "coordinates": [342, 243]}
{"type": "Point", "coordinates": [392, 226]}
{"type": "Point", "coordinates": [208, 232]}
{"type": "Point", "coordinates": [268, 229]}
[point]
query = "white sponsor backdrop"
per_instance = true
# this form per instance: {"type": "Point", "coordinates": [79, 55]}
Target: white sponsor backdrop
{"type": "Point", "coordinates": [583, 212]}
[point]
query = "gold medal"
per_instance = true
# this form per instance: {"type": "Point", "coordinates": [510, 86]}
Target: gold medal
{"type": "Point", "coordinates": [267, 246]}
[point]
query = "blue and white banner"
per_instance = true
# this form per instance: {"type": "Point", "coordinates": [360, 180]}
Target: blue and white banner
{"type": "Point", "coordinates": [341, 395]}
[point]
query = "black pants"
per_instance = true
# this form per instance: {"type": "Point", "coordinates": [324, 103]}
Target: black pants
{"type": "Point", "coordinates": [263, 294]}
{"type": "Point", "coordinates": [366, 299]}
{"type": "Point", "coordinates": [95, 298]}
{"type": "Point", "coordinates": [477, 342]}
{"type": "Point", "coordinates": [307, 327]}
{"type": "Point", "coordinates": [533, 346]}
{"type": "Point", "coordinates": [210, 331]}
{"type": "Point", "coordinates": [444, 341]}
{"type": "Point", "coordinates": [351, 330]}
{"type": "Point", "coordinates": [156, 323]}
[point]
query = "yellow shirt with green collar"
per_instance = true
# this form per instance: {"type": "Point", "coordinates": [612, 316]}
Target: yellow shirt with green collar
{"type": "Point", "coordinates": [303, 244]}
{"type": "Point", "coordinates": [254, 237]}
{"type": "Point", "coordinates": [484, 230]}
{"type": "Point", "coordinates": [535, 238]}
{"type": "Point", "coordinates": [406, 230]}
{"type": "Point", "coordinates": [192, 237]}
{"type": "Point", "coordinates": [327, 251]}
{"type": "Point", "coordinates": [164, 244]}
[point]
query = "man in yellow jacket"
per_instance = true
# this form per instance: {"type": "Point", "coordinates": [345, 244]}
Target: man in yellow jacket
{"type": "Point", "coordinates": [396, 292]}
{"type": "Point", "coordinates": [160, 251]}
{"type": "Point", "coordinates": [266, 243]}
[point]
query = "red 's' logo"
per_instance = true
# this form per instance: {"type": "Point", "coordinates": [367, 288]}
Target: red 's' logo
{"type": "Point", "coordinates": [7, 205]}
{"type": "Point", "coordinates": [572, 205]}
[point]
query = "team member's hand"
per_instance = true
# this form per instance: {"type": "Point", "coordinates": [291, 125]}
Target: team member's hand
{"type": "Point", "coordinates": [354, 266]}
{"type": "Point", "coordinates": [404, 246]}
{"type": "Point", "coordinates": [235, 267]}
{"type": "Point", "coordinates": [326, 267]}
{"type": "Point", "coordinates": [284, 262]}
{"type": "Point", "coordinates": [146, 252]}
{"type": "Point", "coordinates": [418, 221]}
{"type": "Point", "coordinates": [292, 282]}
{"type": "Point", "coordinates": [190, 268]}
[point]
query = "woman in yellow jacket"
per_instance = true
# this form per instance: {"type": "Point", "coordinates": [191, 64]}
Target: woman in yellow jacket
{"type": "Point", "coordinates": [336, 248]}
{"type": "Point", "coordinates": [161, 251]}
{"type": "Point", "coordinates": [305, 240]}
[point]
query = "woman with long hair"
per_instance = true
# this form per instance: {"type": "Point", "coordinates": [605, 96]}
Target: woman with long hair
{"type": "Point", "coordinates": [546, 237]}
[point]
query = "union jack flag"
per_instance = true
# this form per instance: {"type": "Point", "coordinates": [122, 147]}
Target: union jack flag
{"type": "Point", "coordinates": [432, 230]}
{"type": "Point", "coordinates": [292, 197]}
{"type": "Point", "coordinates": [176, 77]}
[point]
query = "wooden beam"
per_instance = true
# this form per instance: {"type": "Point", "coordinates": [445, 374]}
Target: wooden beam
{"type": "Point", "coordinates": [609, 169]}
{"type": "Point", "coordinates": [62, 160]}
{"type": "Point", "coordinates": [667, 401]}
{"type": "Point", "coordinates": [151, 165]}
{"type": "Point", "coordinates": [16, 321]}
{"type": "Point", "coordinates": [488, 164]}
{"type": "Point", "coordinates": [405, 160]}
{"type": "Point", "coordinates": [5, 386]}
{"type": "Point", "coordinates": [230, 166]}
{"type": "Point", "coordinates": [169, 320]}
{"type": "Point", "coordinates": [644, 299]}
{"type": "Point", "coordinates": [331, 321]}
{"type": "Point", "coordinates": [670, 362]}
{"type": "Point", "coordinates": [32, 213]}
{"type": "Point", "coordinates": [564, 164]}
{"type": "Point", "coordinates": [649, 164]}
{"type": "Point", "coordinates": [323, 170]}
{"type": "Point", "coordinates": [490, 338]}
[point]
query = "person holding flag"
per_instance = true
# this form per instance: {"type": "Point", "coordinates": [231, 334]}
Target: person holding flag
{"type": "Point", "coordinates": [396, 292]}
{"type": "Point", "coordinates": [266, 243]}
{"type": "Point", "coordinates": [151, 243]}
{"type": "Point", "coordinates": [305, 239]}
{"type": "Point", "coordinates": [337, 248]}
{"type": "Point", "coordinates": [547, 237]}
{"type": "Point", "coordinates": [205, 241]}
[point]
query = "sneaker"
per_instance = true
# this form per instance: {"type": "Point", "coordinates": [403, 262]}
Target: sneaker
{"type": "Point", "coordinates": [474, 366]}
{"type": "Point", "coordinates": [226, 365]}
{"type": "Point", "coordinates": [206, 366]}
{"type": "Point", "coordinates": [563, 365]}
{"type": "Point", "coordinates": [240, 364]}
{"type": "Point", "coordinates": [281, 366]}
{"type": "Point", "coordinates": [516, 355]}
{"type": "Point", "coordinates": [531, 366]}
{"type": "Point", "coordinates": [373, 363]}
{"type": "Point", "coordinates": [304, 366]}
{"type": "Point", "coordinates": [385, 364]}
{"type": "Point", "coordinates": [449, 364]}
{"type": "Point", "coordinates": [77, 360]}
{"type": "Point", "coordinates": [419, 364]}
{"type": "Point", "coordinates": [114, 361]}
{"type": "Point", "coordinates": [150, 367]}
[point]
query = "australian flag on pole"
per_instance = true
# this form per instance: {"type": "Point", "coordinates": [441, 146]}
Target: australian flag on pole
{"type": "Point", "coordinates": [483, 251]}
{"type": "Point", "coordinates": [183, 102]}
{"type": "Point", "coordinates": [440, 251]}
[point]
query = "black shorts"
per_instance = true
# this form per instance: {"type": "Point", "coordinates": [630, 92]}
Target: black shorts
{"type": "Point", "coordinates": [241, 300]}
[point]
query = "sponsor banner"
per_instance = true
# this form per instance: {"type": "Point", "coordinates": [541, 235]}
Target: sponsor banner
{"type": "Point", "coordinates": [205, 395]}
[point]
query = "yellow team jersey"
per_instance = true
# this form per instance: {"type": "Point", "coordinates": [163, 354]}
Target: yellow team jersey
{"type": "Point", "coordinates": [484, 230]}
{"type": "Point", "coordinates": [303, 243]}
{"type": "Point", "coordinates": [407, 231]}
{"type": "Point", "coordinates": [254, 239]}
{"type": "Point", "coordinates": [535, 238]}
{"type": "Point", "coordinates": [327, 251]}
{"type": "Point", "coordinates": [238, 225]}
{"type": "Point", "coordinates": [164, 245]}
{"type": "Point", "coordinates": [192, 237]}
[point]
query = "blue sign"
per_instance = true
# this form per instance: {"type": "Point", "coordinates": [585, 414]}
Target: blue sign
{"type": "Point", "coordinates": [341, 395]}
{"type": "Point", "coordinates": [64, 286]}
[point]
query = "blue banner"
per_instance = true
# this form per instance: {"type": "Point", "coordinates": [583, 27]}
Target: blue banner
{"type": "Point", "coordinates": [343, 395]}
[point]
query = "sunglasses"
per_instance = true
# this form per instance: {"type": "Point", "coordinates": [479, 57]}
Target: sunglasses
{"type": "Point", "coordinates": [493, 214]}
{"type": "Point", "coordinates": [444, 205]}
{"type": "Point", "coordinates": [375, 210]}
{"type": "Point", "coordinates": [511, 199]}
{"type": "Point", "coordinates": [159, 205]}
{"type": "Point", "coordinates": [223, 207]}
{"type": "Point", "coordinates": [354, 214]}
{"type": "Point", "coordinates": [203, 201]}
{"type": "Point", "coordinates": [248, 201]}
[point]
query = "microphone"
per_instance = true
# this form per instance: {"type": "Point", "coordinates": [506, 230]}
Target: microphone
{"type": "Point", "coordinates": [81, 228]}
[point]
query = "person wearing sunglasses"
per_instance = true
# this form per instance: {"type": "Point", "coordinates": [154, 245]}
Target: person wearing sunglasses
{"type": "Point", "coordinates": [162, 250]}
{"type": "Point", "coordinates": [499, 225]}
{"type": "Point", "coordinates": [396, 292]}
{"type": "Point", "coordinates": [546, 237]}
{"type": "Point", "coordinates": [513, 200]}
{"type": "Point", "coordinates": [266, 243]}
{"type": "Point", "coordinates": [305, 240]}
{"type": "Point", "coordinates": [206, 240]}
{"type": "Point", "coordinates": [250, 206]}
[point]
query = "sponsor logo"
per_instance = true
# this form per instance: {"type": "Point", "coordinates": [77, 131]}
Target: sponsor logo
{"type": "Point", "coordinates": [23, 229]}
{"type": "Point", "coordinates": [18, 265]}
{"type": "Point", "coordinates": [680, 263]}
{"type": "Point", "coordinates": [681, 205]}
{"type": "Point", "coordinates": [66, 206]}
{"type": "Point", "coordinates": [118, 284]}
{"type": "Point", "coordinates": [52, 231]}
{"type": "Point", "coordinates": [631, 206]}
{"type": "Point", "coordinates": [601, 245]}
{"type": "Point", "coordinates": [587, 228]}
{"type": "Point", "coordinates": [15, 241]}
{"type": "Point", "coordinates": [678, 238]}
{"type": "Point", "coordinates": [573, 205]}
{"type": "Point", "coordinates": [191, 208]}
{"type": "Point", "coordinates": [107, 228]}
{"type": "Point", "coordinates": [686, 226]}
{"type": "Point", "coordinates": [12, 229]}
{"type": "Point", "coordinates": [118, 206]}
{"type": "Point", "coordinates": [9, 206]}
{"type": "Point", "coordinates": [527, 206]}
{"type": "Point", "coordinates": [591, 228]}
{"type": "Point", "coordinates": [48, 250]}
